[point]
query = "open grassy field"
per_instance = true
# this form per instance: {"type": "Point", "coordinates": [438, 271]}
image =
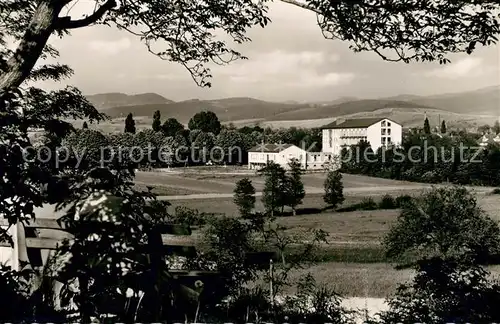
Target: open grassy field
{"type": "Point", "coordinates": [353, 263]}
{"type": "Point", "coordinates": [354, 227]}
{"type": "Point", "coordinates": [205, 183]}
{"type": "Point", "coordinates": [376, 280]}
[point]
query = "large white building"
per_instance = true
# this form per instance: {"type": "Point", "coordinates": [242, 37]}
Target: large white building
{"type": "Point", "coordinates": [345, 132]}
{"type": "Point", "coordinates": [282, 154]}
{"type": "Point", "coordinates": [341, 133]}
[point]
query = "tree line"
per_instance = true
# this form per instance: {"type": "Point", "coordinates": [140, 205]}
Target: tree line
{"type": "Point", "coordinates": [428, 158]}
{"type": "Point", "coordinates": [196, 144]}
{"type": "Point", "coordinates": [284, 188]}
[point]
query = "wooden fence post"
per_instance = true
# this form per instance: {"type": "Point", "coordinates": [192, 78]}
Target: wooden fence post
{"type": "Point", "coordinates": [20, 250]}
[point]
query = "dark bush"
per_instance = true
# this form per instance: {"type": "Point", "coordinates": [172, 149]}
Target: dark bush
{"type": "Point", "coordinates": [367, 204]}
{"type": "Point", "coordinates": [387, 202]}
{"type": "Point", "coordinates": [496, 191]}
{"type": "Point", "coordinates": [188, 216]}
{"type": "Point", "coordinates": [403, 200]}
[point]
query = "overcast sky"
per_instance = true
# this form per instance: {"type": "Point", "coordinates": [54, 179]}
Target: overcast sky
{"type": "Point", "coordinates": [288, 60]}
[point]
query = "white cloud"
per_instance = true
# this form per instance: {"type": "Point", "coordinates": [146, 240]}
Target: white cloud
{"type": "Point", "coordinates": [110, 47]}
{"type": "Point", "coordinates": [301, 69]}
{"type": "Point", "coordinates": [467, 67]}
{"type": "Point", "coordinates": [329, 79]}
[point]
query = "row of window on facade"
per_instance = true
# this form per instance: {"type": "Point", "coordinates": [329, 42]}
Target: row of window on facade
{"type": "Point", "coordinates": [385, 140]}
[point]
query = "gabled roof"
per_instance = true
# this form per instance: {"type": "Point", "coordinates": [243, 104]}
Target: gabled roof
{"type": "Point", "coordinates": [356, 123]}
{"type": "Point", "coordinates": [269, 148]}
{"type": "Point", "coordinates": [490, 138]}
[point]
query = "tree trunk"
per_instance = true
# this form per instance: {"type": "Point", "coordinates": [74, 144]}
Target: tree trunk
{"type": "Point", "coordinates": [20, 65]}
{"type": "Point", "coordinates": [85, 308]}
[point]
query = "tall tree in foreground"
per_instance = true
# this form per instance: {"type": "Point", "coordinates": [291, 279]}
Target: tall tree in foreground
{"type": "Point", "coordinates": [244, 197]}
{"type": "Point", "coordinates": [130, 124]}
{"type": "Point", "coordinates": [443, 127]}
{"type": "Point", "coordinates": [295, 188]}
{"type": "Point", "coordinates": [156, 121]}
{"type": "Point", "coordinates": [334, 189]}
{"type": "Point", "coordinates": [427, 126]}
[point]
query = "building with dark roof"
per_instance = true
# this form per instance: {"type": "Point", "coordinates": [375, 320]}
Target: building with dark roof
{"type": "Point", "coordinates": [282, 154]}
{"type": "Point", "coordinates": [378, 132]}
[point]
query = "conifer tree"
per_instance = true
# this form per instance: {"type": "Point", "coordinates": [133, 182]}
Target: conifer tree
{"type": "Point", "coordinates": [443, 127]}
{"type": "Point", "coordinates": [130, 124]}
{"type": "Point", "coordinates": [427, 126]}
{"type": "Point", "coordinates": [295, 187]}
{"type": "Point", "coordinates": [244, 197]}
{"type": "Point", "coordinates": [157, 121]}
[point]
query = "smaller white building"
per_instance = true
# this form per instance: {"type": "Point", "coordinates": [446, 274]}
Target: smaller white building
{"type": "Point", "coordinates": [378, 132]}
{"type": "Point", "coordinates": [282, 154]}
{"type": "Point", "coordinates": [489, 139]}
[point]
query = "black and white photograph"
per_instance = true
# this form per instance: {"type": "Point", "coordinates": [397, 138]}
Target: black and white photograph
{"type": "Point", "coordinates": [250, 161]}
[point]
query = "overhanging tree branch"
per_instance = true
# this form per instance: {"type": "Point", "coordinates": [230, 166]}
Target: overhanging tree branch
{"type": "Point", "coordinates": [302, 5]}
{"type": "Point", "coordinates": [67, 23]}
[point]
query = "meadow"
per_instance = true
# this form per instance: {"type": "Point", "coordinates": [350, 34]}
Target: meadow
{"type": "Point", "coordinates": [353, 262]}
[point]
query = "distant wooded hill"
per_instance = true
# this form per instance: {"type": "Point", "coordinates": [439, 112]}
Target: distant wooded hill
{"type": "Point", "coordinates": [484, 102]}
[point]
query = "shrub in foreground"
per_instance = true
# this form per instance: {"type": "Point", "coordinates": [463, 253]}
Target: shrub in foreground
{"type": "Point", "coordinates": [445, 291]}
{"type": "Point", "coordinates": [444, 222]}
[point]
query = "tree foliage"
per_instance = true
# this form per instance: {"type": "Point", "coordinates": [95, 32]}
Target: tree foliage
{"type": "Point", "coordinates": [430, 158]}
{"type": "Point", "coordinates": [171, 127]}
{"type": "Point", "coordinates": [205, 121]}
{"type": "Point", "coordinates": [87, 143]}
{"type": "Point", "coordinates": [444, 222]}
{"type": "Point", "coordinates": [396, 31]}
{"type": "Point", "coordinates": [445, 291]}
{"type": "Point", "coordinates": [274, 192]}
{"type": "Point", "coordinates": [130, 124]}
{"type": "Point", "coordinates": [334, 189]}
{"type": "Point", "coordinates": [244, 196]}
{"type": "Point", "coordinates": [443, 127]}
{"type": "Point", "coordinates": [233, 145]}
{"type": "Point", "coordinates": [202, 147]}
{"type": "Point", "coordinates": [156, 126]}
{"type": "Point", "coordinates": [427, 126]}
{"type": "Point", "coordinates": [496, 127]}
{"type": "Point", "coordinates": [295, 192]}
